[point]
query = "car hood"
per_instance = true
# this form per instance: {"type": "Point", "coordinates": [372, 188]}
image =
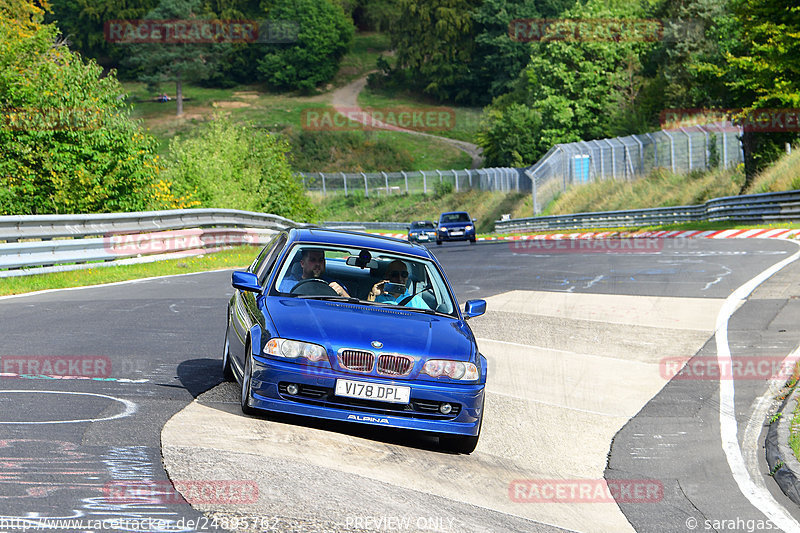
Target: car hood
{"type": "Point", "coordinates": [336, 325]}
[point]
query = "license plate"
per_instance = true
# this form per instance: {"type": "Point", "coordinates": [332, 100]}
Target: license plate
{"type": "Point", "coordinates": [423, 237]}
{"type": "Point", "coordinates": [456, 233]}
{"type": "Point", "coordinates": [372, 391]}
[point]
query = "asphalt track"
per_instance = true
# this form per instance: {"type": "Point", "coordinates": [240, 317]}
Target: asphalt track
{"type": "Point", "coordinates": [576, 343]}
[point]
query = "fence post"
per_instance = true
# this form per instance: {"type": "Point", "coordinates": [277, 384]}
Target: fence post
{"type": "Point", "coordinates": [424, 182]}
{"type": "Point", "coordinates": [440, 176]}
{"type": "Point", "coordinates": [689, 144]}
{"type": "Point", "coordinates": [455, 178]}
{"type": "Point", "coordinates": [613, 161]}
{"type": "Point", "coordinates": [366, 189]}
{"type": "Point", "coordinates": [405, 178]}
{"type": "Point", "coordinates": [708, 156]}
{"type": "Point", "coordinates": [344, 178]}
{"type": "Point", "coordinates": [641, 154]}
{"type": "Point", "coordinates": [671, 150]}
{"type": "Point", "coordinates": [324, 192]}
{"type": "Point", "coordinates": [386, 181]}
{"type": "Point", "coordinates": [724, 148]}
{"type": "Point", "coordinates": [533, 191]}
{"type": "Point", "coordinates": [655, 150]}
{"type": "Point", "coordinates": [469, 175]}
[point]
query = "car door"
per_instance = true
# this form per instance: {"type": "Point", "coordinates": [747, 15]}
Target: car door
{"type": "Point", "coordinates": [244, 311]}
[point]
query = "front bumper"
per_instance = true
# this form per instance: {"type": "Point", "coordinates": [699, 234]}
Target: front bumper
{"type": "Point", "coordinates": [316, 399]}
{"type": "Point", "coordinates": [463, 236]}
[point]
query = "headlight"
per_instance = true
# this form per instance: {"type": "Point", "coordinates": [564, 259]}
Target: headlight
{"type": "Point", "coordinates": [468, 228]}
{"type": "Point", "coordinates": [452, 369]}
{"type": "Point", "coordinates": [294, 349]}
{"type": "Point", "coordinates": [442, 230]}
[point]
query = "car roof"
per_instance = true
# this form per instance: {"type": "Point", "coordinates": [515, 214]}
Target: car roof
{"type": "Point", "coordinates": [356, 239]}
{"type": "Point", "coordinates": [454, 213]}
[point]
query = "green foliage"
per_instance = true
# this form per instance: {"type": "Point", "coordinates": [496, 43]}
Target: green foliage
{"type": "Point", "coordinates": [434, 41]}
{"type": "Point", "coordinates": [570, 90]}
{"type": "Point", "coordinates": [324, 36]}
{"type": "Point", "coordinates": [227, 165]}
{"type": "Point", "coordinates": [442, 188]}
{"type": "Point", "coordinates": [349, 151]}
{"type": "Point", "coordinates": [67, 144]}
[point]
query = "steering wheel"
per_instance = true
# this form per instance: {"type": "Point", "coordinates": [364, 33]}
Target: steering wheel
{"type": "Point", "coordinates": [313, 287]}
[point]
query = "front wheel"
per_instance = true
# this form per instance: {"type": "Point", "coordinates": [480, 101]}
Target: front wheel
{"type": "Point", "coordinates": [246, 378]}
{"type": "Point", "coordinates": [459, 443]}
{"type": "Point", "coordinates": [227, 370]}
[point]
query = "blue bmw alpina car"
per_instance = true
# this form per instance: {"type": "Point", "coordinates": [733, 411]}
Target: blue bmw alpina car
{"type": "Point", "coordinates": [358, 328]}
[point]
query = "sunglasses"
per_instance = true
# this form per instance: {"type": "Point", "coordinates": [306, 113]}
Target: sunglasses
{"type": "Point", "coordinates": [397, 275]}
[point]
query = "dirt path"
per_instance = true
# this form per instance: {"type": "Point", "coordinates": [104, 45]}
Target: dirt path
{"type": "Point", "coordinates": [346, 99]}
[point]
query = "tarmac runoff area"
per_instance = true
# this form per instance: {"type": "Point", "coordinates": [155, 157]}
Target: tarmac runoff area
{"type": "Point", "coordinates": [566, 372]}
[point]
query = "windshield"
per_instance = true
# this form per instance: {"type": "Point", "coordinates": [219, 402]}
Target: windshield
{"type": "Point", "coordinates": [367, 276]}
{"type": "Point", "coordinates": [455, 217]}
{"type": "Point", "coordinates": [422, 225]}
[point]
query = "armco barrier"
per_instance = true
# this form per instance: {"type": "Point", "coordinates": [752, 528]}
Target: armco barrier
{"type": "Point", "coordinates": [69, 242]}
{"type": "Point", "coordinates": [751, 208]}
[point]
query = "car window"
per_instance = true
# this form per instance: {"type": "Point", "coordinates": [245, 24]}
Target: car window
{"type": "Point", "coordinates": [270, 254]}
{"type": "Point", "coordinates": [456, 217]}
{"type": "Point", "coordinates": [424, 286]}
{"type": "Point", "coordinates": [422, 225]}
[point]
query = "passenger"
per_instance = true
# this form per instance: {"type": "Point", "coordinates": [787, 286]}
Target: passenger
{"type": "Point", "coordinates": [396, 274]}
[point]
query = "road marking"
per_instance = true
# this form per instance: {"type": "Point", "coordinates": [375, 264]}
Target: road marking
{"type": "Point", "coordinates": [758, 496]}
{"type": "Point", "coordinates": [130, 408]}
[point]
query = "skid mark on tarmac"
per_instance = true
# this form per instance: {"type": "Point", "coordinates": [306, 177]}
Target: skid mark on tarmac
{"type": "Point", "coordinates": [551, 413]}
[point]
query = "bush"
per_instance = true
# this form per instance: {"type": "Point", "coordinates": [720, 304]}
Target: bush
{"type": "Point", "coordinates": [324, 36]}
{"type": "Point", "coordinates": [233, 166]}
{"type": "Point", "coordinates": [67, 144]}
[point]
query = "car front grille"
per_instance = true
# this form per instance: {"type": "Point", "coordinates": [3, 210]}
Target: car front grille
{"type": "Point", "coordinates": [357, 360]}
{"type": "Point", "coordinates": [394, 365]}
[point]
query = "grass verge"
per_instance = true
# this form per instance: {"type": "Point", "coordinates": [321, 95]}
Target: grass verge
{"type": "Point", "coordinates": [237, 257]}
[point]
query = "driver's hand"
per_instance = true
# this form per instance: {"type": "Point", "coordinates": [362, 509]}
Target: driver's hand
{"type": "Point", "coordinates": [376, 290]}
{"type": "Point", "coordinates": [339, 289]}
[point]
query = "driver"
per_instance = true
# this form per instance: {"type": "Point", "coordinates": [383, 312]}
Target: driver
{"type": "Point", "coordinates": [397, 276]}
{"type": "Point", "coordinates": [312, 262]}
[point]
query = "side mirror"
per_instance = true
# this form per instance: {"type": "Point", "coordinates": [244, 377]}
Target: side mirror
{"type": "Point", "coordinates": [245, 281]}
{"type": "Point", "coordinates": [474, 308]}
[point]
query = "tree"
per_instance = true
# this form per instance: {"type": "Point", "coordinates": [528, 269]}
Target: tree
{"type": "Point", "coordinates": [764, 73]}
{"type": "Point", "coordinates": [185, 61]}
{"type": "Point", "coordinates": [434, 42]}
{"type": "Point", "coordinates": [324, 36]}
{"type": "Point", "coordinates": [583, 86]}
{"type": "Point", "coordinates": [67, 144]}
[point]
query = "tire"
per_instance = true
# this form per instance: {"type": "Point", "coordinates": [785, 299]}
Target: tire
{"type": "Point", "coordinates": [438, 242]}
{"type": "Point", "coordinates": [472, 240]}
{"type": "Point", "coordinates": [246, 395]}
{"type": "Point", "coordinates": [227, 370]}
{"type": "Point", "coordinates": [461, 443]}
